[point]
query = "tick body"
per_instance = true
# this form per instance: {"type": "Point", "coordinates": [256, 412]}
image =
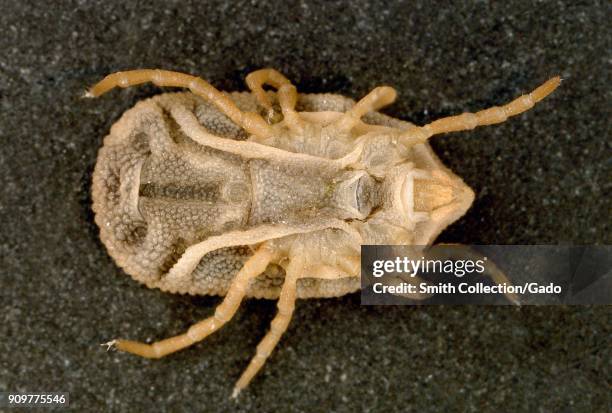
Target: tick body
{"type": "Point", "coordinates": [267, 194]}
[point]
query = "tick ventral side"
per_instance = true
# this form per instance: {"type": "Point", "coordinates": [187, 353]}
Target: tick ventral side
{"type": "Point", "coordinates": [267, 194]}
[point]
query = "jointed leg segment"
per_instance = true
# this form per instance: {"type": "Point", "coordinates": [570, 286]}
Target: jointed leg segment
{"type": "Point", "coordinates": [226, 310]}
{"type": "Point", "coordinates": [496, 114]}
{"type": "Point", "coordinates": [286, 305]}
{"type": "Point", "coordinates": [251, 122]}
{"type": "Point", "coordinates": [255, 81]}
{"type": "Point", "coordinates": [493, 271]}
{"type": "Point", "coordinates": [287, 94]}
{"type": "Point", "coordinates": [287, 98]}
{"type": "Point", "coordinates": [376, 99]}
{"type": "Point", "coordinates": [223, 313]}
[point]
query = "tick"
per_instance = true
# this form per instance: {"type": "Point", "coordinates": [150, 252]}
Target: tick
{"type": "Point", "coordinates": [267, 194]}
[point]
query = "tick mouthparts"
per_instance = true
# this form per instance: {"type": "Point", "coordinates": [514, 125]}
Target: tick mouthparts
{"type": "Point", "coordinates": [423, 193]}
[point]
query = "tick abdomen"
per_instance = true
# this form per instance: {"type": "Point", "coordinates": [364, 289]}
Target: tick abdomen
{"type": "Point", "coordinates": [198, 193]}
{"type": "Point", "coordinates": [231, 194]}
{"type": "Point", "coordinates": [187, 193]}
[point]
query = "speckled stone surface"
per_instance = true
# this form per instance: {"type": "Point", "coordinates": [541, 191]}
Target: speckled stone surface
{"type": "Point", "coordinates": [543, 177]}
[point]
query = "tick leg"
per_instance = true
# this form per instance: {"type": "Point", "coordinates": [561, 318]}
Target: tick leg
{"type": "Point", "coordinates": [376, 99]}
{"type": "Point", "coordinates": [249, 121]}
{"type": "Point", "coordinates": [287, 95]}
{"type": "Point", "coordinates": [255, 81]}
{"type": "Point", "coordinates": [493, 271]}
{"type": "Point", "coordinates": [223, 313]}
{"type": "Point", "coordinates": [495, 114]}
{"type": "Point", "coordinates": [286, 305]}
{"type": "Point", "coordinates": [346, 266]}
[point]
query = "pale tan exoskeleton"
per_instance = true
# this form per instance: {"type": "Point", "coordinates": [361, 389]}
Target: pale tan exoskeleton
{"type": "Point", "coordinates": [267, 194]}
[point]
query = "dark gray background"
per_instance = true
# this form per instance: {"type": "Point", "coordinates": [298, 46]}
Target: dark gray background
{"type": "Point", "coordinates": [542, 177]}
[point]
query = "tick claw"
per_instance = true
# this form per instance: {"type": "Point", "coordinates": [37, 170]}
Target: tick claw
{"type": "Point", "coordinates": [109, 345]}
{"type": "Point", "coordinates": [235, 392]}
